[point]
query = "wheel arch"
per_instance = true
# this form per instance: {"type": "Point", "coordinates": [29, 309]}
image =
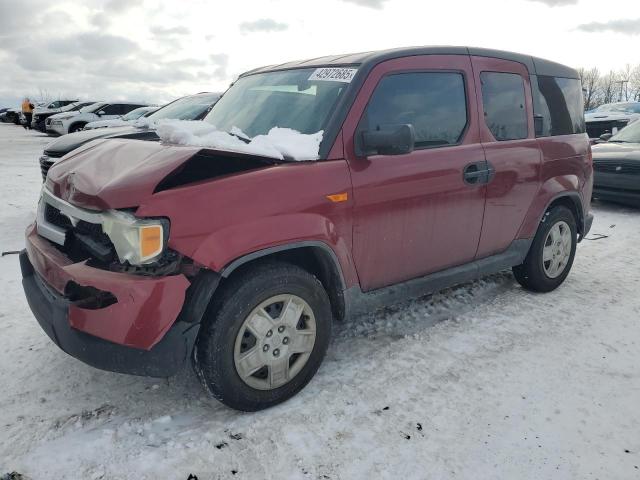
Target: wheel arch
{"type": "Point", "coordinates": [316, 257]}
{"type": "Point", "coordinates": [573, 202]}
{"type": "Point", "coordinates": [74, 124]}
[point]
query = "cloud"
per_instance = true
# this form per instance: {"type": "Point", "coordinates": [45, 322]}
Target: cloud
{"type": "Point", "coordinates": [166, 31]}
{"type": "Point", "coordinates": [263, 25]}
{"type": "Point", "coordinates": [100, 20]}
{"type": "Point", "coordinates": [556, 3]}
{"type": "Point", "coordinates": [624, 26]}
{"type": "Point", "coordinates": [377, 4]}
{"type": "Point", "coordinates": [120, 6]}
{"type": "Point", "coordinates": [90, 44]}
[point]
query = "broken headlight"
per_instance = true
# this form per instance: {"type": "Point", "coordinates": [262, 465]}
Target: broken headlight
{"type": "Point", "coordinates": [137, 241]}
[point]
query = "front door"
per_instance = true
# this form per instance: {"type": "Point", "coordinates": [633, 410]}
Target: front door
{"type": "Point", "coordinates": [421, 212]}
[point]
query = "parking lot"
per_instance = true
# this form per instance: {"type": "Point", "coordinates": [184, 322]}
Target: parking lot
{"type": "Point", "coordinates": [481, 381]}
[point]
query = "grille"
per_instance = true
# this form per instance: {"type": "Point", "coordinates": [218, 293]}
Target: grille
{"type": "Point", "coordinates": [55, 217]}
{"type": "Point", "coordinates": [620, 167]}
{"type": "Point", "coordinates": [83, 238]}
{"type": "Point", "coordinates": [46, 161]}
{"type": "Point", "coordinates": [595, 129]}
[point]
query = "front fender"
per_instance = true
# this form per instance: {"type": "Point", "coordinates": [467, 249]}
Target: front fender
{"type": "Point", "coordinates": [225, 249]}
{"type": "Point", "coordinates": [218, 221]}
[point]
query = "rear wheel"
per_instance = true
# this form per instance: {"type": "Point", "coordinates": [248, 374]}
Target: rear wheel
{"type": "Point", "coordinates": [552, 252]}
{"type": "Point", "coordinates": [264, 337]}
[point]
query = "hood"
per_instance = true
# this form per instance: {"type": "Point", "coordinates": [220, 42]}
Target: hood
{"type": "Point", "coordinates": [119, 173]}
{"type": "Point", "coordinates": [65, 114]}
{"type": "Point", "coordinates": [616, 151]}
{"type": "Point", "coordinates": [71, 141]}
{"type": "Point", "coordinates": [604, 116]}
{"type": "Point", "coordinates": [114, 122]}
{"type": "Point", "coordinates": [114, 173]}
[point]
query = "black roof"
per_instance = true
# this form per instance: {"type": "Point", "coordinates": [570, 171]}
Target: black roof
{"type": "Point", "coordinates": [536, 66]}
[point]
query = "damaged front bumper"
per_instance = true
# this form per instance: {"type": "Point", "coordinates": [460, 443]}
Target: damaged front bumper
{"type": "Point", "coordinates": [112, 321]}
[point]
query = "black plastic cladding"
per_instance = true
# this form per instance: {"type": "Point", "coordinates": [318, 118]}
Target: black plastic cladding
{"type": "Point", "coordinates": [366, 61]}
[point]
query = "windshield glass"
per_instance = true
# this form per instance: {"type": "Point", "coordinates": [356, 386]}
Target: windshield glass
{"type": "Point", "coordinates": [80, 106]}
{"type": "Point", "coordinates": [186, 108]}
{"type": "Point", "coordinates": [92, 108]}
{"type": "Point", "coordinates": [135, 114]}
{"type": "Point", "coordinates": [298, 99]}
{"type": "Point", "coordinates": [629, 134]}
{"type": "Point", "coordinates": [631, 107]}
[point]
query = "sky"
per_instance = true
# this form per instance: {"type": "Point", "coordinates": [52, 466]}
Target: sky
{"type": "Point", "coordinates": [158, 50]}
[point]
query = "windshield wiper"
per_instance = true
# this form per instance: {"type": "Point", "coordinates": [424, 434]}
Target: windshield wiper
{"type": "Point", "coordinates": [240, 137]}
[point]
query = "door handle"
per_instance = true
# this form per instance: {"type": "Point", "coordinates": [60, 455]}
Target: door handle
{"type": "Point", "coordinates": [475, 173]}
{"type": "Point", "coordinates": [478, 173]}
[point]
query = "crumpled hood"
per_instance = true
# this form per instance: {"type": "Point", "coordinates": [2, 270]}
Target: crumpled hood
{"type": "Point", "coordinates": [71, 141]}
{"type": "Point", "coordinates": [616, 151]}
{"type": "Point", "coordinates": [115, 173]}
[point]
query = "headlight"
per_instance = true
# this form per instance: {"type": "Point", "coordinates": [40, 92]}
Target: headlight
{"type": "Point", "coordinates": [137, 241]}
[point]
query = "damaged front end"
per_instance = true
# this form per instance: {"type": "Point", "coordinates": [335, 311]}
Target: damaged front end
{"type": "Point", "coordinates": [105, 283]}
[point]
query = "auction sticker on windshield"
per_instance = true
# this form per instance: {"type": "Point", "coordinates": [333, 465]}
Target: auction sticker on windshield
{"type": "Point", "coordinates": [333, 74]}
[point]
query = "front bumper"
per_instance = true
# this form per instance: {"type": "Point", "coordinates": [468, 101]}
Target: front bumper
{"type": "Point", "coordinates": [57, 128]}
{"type": "Point", "coordinates": [137, 334]}
{"type": "Point", "coordinates": [627, 197]}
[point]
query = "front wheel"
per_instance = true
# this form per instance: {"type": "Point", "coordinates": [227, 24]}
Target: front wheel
{"type": "Point", "coordinates": [552, 252]}
{"type": "Point", "coordinates": [264, 337]}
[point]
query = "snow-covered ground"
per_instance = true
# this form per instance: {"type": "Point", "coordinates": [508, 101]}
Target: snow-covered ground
{"type": "Point", "coordinates": [483, 381]}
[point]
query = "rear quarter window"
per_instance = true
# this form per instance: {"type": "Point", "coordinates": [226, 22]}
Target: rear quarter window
{"type": "Point", "coordinates": [558, 106]}
{"type": "Point", "coordinates": [503, 102]}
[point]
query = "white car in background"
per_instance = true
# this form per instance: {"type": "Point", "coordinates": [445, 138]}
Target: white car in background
{"type": "Point", "coordinates": [42, 110]}
{"type": "Point", "coordinates": [611, 118]}
{"type": "Point", "coordinates": [70, 122]}
{"type": "Point", "coordinates": [122, 121]}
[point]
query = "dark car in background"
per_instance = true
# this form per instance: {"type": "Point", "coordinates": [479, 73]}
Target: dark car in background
{"type": "Point", "coordinates": [611, 118]}
{"type": "Point", "coordinates": [192, 107]}
{"type": "Point", "coordinates": [616, 166]}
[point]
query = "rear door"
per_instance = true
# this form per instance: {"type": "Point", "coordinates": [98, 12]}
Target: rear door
{"type": "Point", "coordinates": [415, 213]}
{"type": "Point", "coordinates": [510, 147]}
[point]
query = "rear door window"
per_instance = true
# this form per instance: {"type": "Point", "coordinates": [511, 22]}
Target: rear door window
{"type": "Point", "coordinates": [503, 100]}
{"type": "Point", "coordinates": [112, 109]}
{"type": "Point", "coordinates": [558, 106]}
{"type": "Point", "coordinates": [433, 102]}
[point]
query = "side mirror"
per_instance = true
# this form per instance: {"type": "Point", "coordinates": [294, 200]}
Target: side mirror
{"type": "Point", "coordinates": [388, 140]}
{"type": "Point", "coordinates": [100, 113]}
{"type": "Point", "coordinates": [606, 136]}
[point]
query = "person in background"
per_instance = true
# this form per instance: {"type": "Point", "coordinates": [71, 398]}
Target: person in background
{"type": "Point", "coordinates": [27, 110]}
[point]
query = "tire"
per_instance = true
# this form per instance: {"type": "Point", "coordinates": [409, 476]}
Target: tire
{"type": "Point", "coordinates": [76, 127]}
{"type": "Point", "coordinates": [222, 336]}
{"type": "Point", "coordinates": [537, 273]}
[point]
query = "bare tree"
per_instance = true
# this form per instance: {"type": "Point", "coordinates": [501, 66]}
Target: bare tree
{"type": "Point", "coordinates": [590, 85]}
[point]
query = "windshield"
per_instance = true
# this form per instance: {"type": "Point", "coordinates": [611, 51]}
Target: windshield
{"type": "Point", "coordinates": [92, 108]}
{"type": "Point", "coordinates": [300, 99]}
{"type": "Point", "coordinates": [185, 108]}
{"type": "Point", "coordinates": [135, 114]}
{"type": "Point", "coordinates": [80, 106]}
{"type": "Point", "coordinates": [629, 134]}
{"type": "Point", "coordinates": [632, 107]}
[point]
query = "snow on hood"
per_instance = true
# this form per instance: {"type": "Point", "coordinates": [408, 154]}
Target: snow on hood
{"type": "Point", "coordinates": [280, 143]}
{"type": "Point", "coordinates": [613, 115]}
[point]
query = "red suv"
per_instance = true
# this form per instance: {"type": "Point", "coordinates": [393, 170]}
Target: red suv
{"type": "Point", "coordinates": [437, 165]}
